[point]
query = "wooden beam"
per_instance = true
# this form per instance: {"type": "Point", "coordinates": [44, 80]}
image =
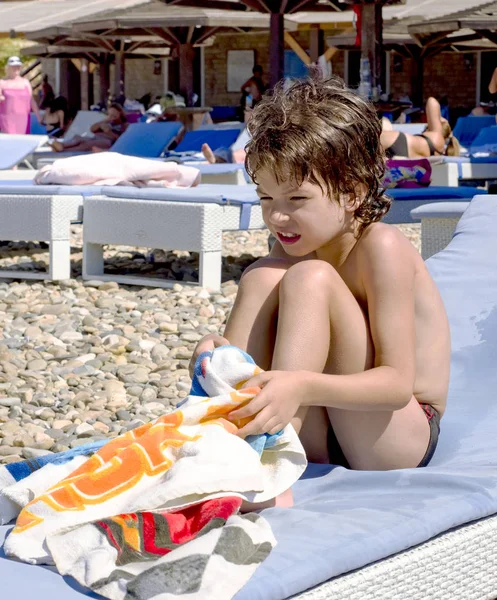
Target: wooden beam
{"type": "Point", "coordinates": [189, 35]}
{"type": "Point", "coordinates": [206, 33]}
{"type": "Point", "coordinates": [330, 52]}
{"type": "Point", "coordinates": [163, 34]}
{"type": "Point", "coordinates": [297, 48]}
{"type": "Point", "coordinates": [490, 35]}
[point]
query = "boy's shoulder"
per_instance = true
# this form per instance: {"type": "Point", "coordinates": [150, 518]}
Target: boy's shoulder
{"type": "Point", "coordinates": [381, 242]}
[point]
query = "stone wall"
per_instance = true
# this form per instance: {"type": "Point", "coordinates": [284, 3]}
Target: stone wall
{"type": "Point", "coordinates": [453, 75]}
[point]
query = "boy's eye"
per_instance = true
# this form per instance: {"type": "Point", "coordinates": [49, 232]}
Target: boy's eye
{"type": "Point", "coordinates": [265, 198]}
{"type": "Point", "coordinates": [298, 198]}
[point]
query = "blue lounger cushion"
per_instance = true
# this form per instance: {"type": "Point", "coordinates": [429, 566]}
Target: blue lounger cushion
{"type": "Point", "coordinates": [434, 192]}
{"type": "Point", "coordinates": [148, 140]}
{"type": "Point", "coordinates": [485, 141]}
{"type": "Point", "coordinates": [343, 520]}
{"type": "Point", "coordinates": [27, 188]}
{"type": "Point", "coordinates": [467, 128]}
{"type": "Point", "coordinates": [216, 138]}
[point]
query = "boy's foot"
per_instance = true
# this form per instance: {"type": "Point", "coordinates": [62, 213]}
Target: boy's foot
{"type": "Point", "coordinates": [208, 154]}
{"type": "Point", "coordinates": [284, 500]}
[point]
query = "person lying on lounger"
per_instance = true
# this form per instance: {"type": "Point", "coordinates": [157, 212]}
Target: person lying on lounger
{"type": "Point", "coordinates": [343, 314]}
{"type": "Point", "coordinates": [106, 133]}
{"type": "Point", "coordinates": [436, 140]}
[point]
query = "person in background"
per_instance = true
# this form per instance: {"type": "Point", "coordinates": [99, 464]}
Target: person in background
{"type": "Point", "coordinates": [254, 86]}
{"type": "Point", "coordinates": [436, 139]}
{"type": "Point", "coordinates": [47, 95]}
{"type": "Point", "coordinates": [106, 133]}
{"type": "Point", "coordinates": [56, 117]}
{"type": "Point", "coordinates": [490, 107]}
{"type": "Point", "coordinates": [16, 99]}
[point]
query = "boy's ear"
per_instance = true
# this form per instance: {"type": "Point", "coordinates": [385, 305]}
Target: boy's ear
{"type": "Point", "coordinates": [355, 199]}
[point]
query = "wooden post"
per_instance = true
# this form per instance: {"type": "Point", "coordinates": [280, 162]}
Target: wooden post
{"type": "Point", "coordinates": [186, 54]}
{"type": "Point", "coordinates": [277, 48]}
{"type": "Point", "coordinates": [119, 74]}
{"type": "Point", "coordinates": [104, 78]}
{"type": "Point", "coordinates": [316, 46]}
{"type": "Point", "coordinates": [372, 40]}
{"type": "Point", "coordinates": [417, 81]}
{"type": "Point", "coordinates": [84, 79]}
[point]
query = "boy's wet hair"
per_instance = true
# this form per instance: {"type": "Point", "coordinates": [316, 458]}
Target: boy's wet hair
{"type": "Point", "coordinates": [321, 131]}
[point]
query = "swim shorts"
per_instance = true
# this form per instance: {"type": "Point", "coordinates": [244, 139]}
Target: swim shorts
{"type": "Point", "coordinates": [337, 457]}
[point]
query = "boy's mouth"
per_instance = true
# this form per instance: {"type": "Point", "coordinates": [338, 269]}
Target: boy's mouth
{"type": "Point", "coordinates": [288, 238]}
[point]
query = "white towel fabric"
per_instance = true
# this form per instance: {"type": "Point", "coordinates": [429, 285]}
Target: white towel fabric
{"type": "Point", "coordinates": [108, 522]}
{"type": "Point", "coordinates": [112, 168]}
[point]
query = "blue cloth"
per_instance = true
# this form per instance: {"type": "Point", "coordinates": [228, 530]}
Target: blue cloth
{"type": "Point", "coordinates": [343, 520]}
{"type": "Point", "coordinates": [23, 469]}
{"type": "Point", "coordinates": [467, 128]}
{"type": "Point", "coordinates": [258, 442]}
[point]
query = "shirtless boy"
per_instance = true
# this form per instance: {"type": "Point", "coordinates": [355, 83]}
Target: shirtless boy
{"type": "Point", "coordinates": [343, 315]}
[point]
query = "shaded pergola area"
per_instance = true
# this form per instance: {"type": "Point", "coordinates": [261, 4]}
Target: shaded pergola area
{"type": "Point", "coordinates": [371, 37]}
{"type": "Point", "coordinates": [149, 30]}
{"type": "Point", "coordinates": [87, 53]}
{"type": "Point", "coordinates": [181, 28]}
{"type": "Point", "coordinates": [460, 28]}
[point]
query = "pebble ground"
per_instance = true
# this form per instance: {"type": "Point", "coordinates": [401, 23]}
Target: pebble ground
{"type": "Point", "coordinates": [87, 360]}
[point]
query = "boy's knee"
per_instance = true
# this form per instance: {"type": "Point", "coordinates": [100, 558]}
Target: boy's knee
{"type": "Point", "coordinates": [309, 274]}
{"type": "Point", "coordinates": [265, 272]}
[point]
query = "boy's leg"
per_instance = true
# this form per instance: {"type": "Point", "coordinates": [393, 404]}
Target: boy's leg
{"type": "Point", "coordinates": [321, 327]}
{"type": "Point", "coordinates": [252, 323]}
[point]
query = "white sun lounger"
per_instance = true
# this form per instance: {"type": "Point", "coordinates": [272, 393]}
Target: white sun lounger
{"type": "Point", "coordinates": [17, 150]}
{"type": "Point", "coordinates": [412, 534]}
{"type": "Point", "coordinates": [172, 219]}
{"type": "Point", "coordinates": [41, 213]}
{"type": "Point", "coordinates": [438, 223]}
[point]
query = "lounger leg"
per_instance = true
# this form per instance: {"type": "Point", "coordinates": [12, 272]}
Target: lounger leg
{"type": "Point", "coordinates": [93, 260]}
{"type": "Point", "coordinates": [59, 260]}
{"type": "Point", "coordinates": [210, 270]}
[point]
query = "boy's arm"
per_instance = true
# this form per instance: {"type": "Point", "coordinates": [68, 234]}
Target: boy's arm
{"type": "Point", "coordinates": [388, 270]}
{"type": "Point", "coordinates": [492, 86]}
{"type": "Point", "coordinates": [388, 276]}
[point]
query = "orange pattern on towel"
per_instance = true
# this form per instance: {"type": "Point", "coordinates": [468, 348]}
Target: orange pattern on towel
{"type": "Point", "coordinates": [123, 462]}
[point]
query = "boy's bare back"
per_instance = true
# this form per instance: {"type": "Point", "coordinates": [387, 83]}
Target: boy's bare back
{"type": "Point", "coordinates": [432, 335]}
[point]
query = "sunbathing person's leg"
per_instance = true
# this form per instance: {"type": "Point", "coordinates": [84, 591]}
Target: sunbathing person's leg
{"type": "Point", "coordinates": [209, 155]}
{"type": "Point", "coordinates": [59, 146]}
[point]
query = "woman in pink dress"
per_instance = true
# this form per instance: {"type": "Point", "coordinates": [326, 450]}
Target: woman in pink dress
{"type": "Point", "coordinates": [16, 99]}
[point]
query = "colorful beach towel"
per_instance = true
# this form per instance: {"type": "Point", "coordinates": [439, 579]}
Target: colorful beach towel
{"type": "Point", "coordinates": [155, 512]}
{"type": "Point", "coordinates": [407, 173]}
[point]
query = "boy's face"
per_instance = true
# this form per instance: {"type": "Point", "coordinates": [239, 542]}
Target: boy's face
{"type": "Point", "coordinates": [304, 219]}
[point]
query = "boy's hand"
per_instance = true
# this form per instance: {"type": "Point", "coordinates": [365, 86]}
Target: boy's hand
{"type": "Point", "coordinates": [281, 396]}
{"type": "Point", "coordinates": [206, 344]}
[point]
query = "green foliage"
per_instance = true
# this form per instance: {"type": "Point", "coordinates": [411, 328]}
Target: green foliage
{"type": "Point", "coordinates": [13, 47]}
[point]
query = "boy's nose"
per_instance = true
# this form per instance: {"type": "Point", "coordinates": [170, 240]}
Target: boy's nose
{"type": "Point", "coordinates": [277, 217]}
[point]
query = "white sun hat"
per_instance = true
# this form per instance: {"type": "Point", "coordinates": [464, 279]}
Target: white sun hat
{"type": "Point", "coordinates": [14, 61]}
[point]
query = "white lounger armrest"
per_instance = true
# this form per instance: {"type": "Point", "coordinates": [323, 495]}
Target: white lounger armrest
{"type": "Point", "coordinates": [438, 223]}
{"type": "Point", "coordinates": [439, 210]}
